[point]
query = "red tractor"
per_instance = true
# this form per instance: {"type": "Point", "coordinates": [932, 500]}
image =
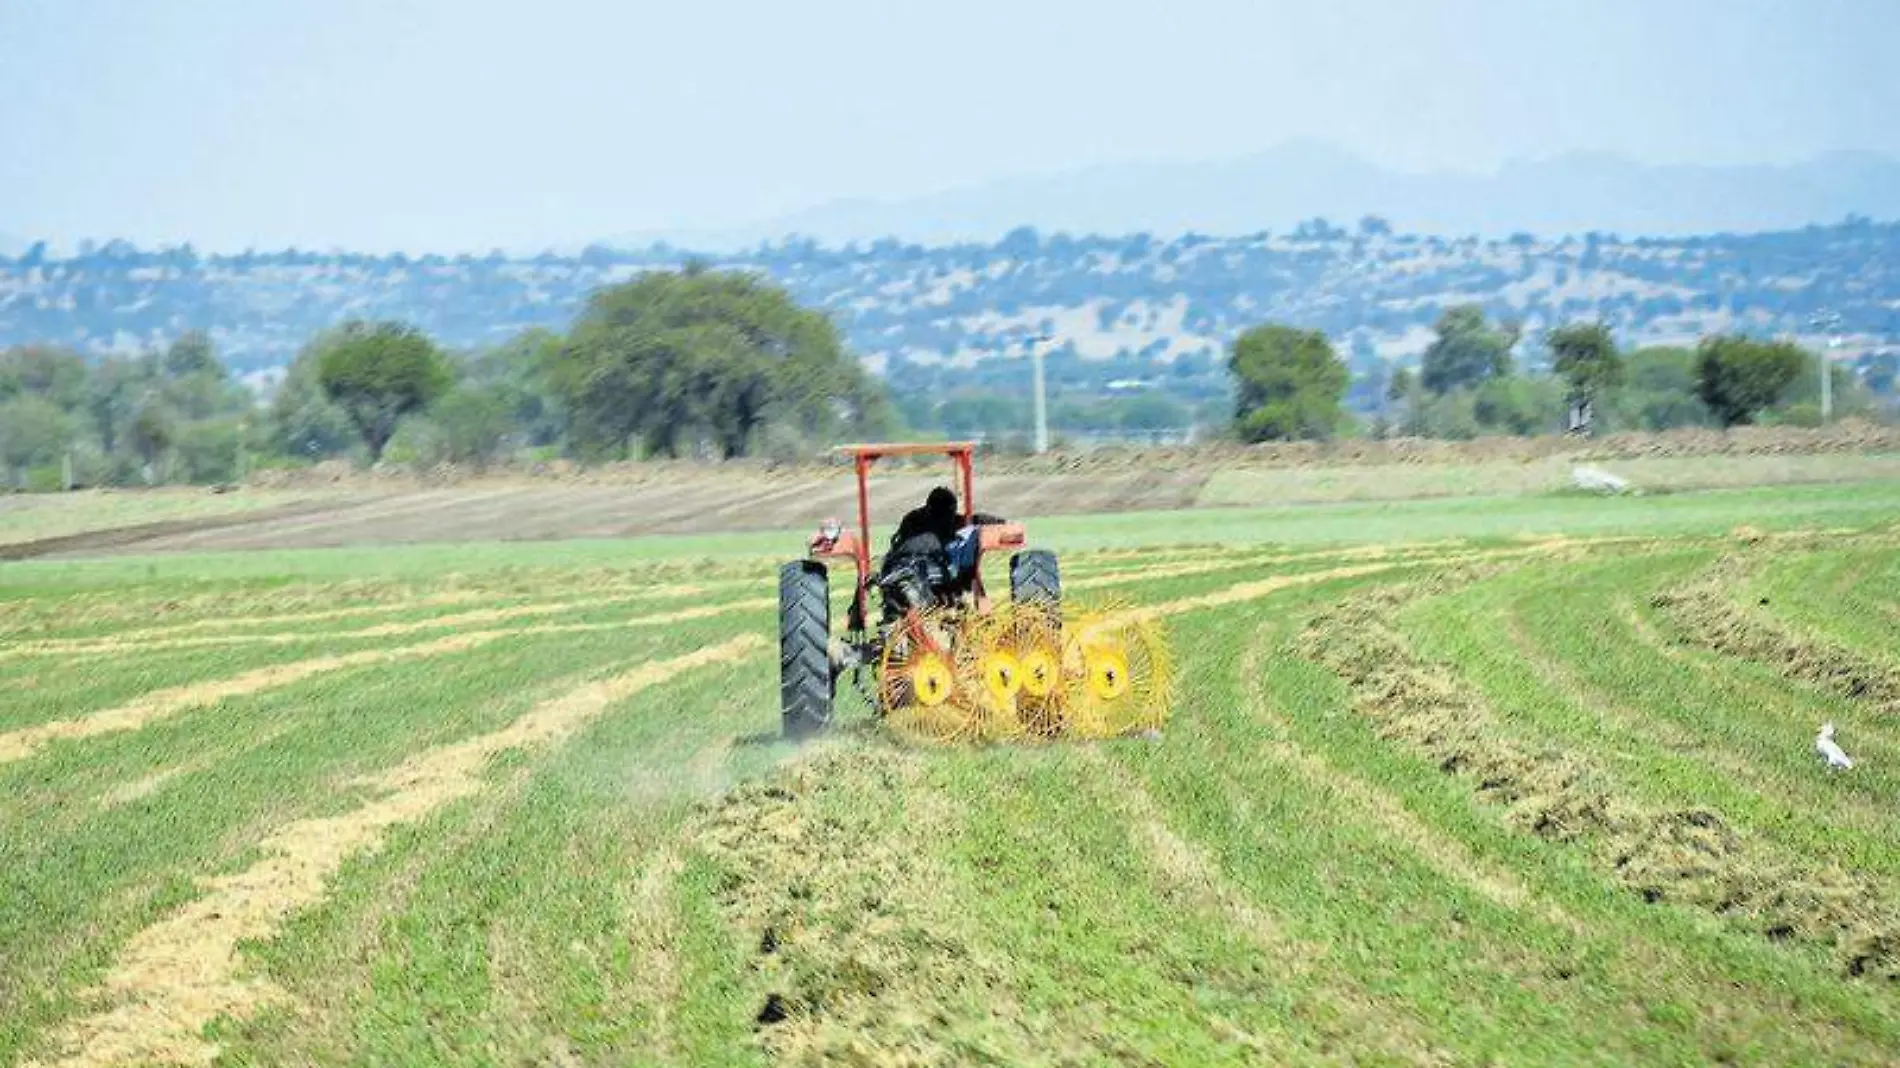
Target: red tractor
{"type": "Point", "coordinates": [908, 589]}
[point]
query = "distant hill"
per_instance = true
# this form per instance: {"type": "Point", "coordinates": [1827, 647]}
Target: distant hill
{"type": "Point", "coordinates": [1125, 312]}
{"type": "Point", "coordinates": [1299, 180]}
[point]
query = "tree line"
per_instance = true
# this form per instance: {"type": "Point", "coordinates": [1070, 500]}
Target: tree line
{"type": "Point", "coordinates": [674, 363]}
{"type": "Point", "coordinates": [1291, 384]}
{"type": "Point", "coordinates": [704, 363]}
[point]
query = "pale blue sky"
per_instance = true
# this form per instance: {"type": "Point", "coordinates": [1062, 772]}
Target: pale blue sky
{"type": "Point", "coordinates": [465, 124]}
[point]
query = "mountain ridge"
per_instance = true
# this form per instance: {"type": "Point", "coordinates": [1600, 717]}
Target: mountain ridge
{"type": "Point", "coordinates": [1570, 193]}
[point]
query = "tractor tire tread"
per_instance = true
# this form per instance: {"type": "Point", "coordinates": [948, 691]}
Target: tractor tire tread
{"type": "Point", "coordinates": [806, 685]}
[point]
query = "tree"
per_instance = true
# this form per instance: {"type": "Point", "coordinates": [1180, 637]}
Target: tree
{"type": "Point", "coordinates": [33, 432]}
{"type": "Point", "coordinates": [1585, 357]}
{"type": "Point", "coordinates": [1403, 389]}
{"type": "Point", "coordinates": [303, 423]}
{"type": "Point", "coordinates": [473, 424]}
{"type": "Point", "coordinates": [672, 360]}
{"type": "Point", "coordinates": [1737, 377]}
{"type": "Point", "coordinates": [153, 429]}
{"type": "Point", "coordinates": [1467, 350]}
{"type": "Point", "coordinates": [378, 373]}
{"type": "Point", "coordinates": [1288, 384]}
{"type": "Point", "coordinates": [191, 354]}
{"type": "Point", "coordinates": [1659, 391]}
{"type": "Point", "coordinates": [112, 395]}
{"type": "Point", "coordinates": [56, 374]}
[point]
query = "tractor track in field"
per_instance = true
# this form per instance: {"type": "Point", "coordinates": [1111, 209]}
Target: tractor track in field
{"type": "Point", "coordinates": [186, 970]}
{"type": "Point", "coordinates": [1686, 855]}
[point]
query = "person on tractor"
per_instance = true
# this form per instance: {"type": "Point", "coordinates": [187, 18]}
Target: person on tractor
{"type": "Point", "coordinates": [933, 550]}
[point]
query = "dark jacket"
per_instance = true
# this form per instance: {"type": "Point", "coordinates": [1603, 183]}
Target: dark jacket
{"type": "Point", "coordinates": [941, 526]}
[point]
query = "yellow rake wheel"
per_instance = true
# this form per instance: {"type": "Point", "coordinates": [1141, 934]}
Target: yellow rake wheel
{"type": "Point", "coordinates": [1032, 634]}
{"type": "Point", "coordinates": [1122, 674]}
{"type": "Point", "coordinates": [923, 688]}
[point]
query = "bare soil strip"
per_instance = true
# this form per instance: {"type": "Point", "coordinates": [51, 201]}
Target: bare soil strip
{"type": "Point", "coordinates": [1691, 856]}
{"type": "Point", "coordinates": [121, 537]}
{"type": "Point", "coordinates": [185, 971]}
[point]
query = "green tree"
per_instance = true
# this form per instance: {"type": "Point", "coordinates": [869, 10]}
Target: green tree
{"type": "Point", "coordinates": [516, 372]}
{"type": "Point", "coordinates": [1737, 377]}
{"type": "Point", "coordinates": [191, 353]}
{"type": "Point", "coordinates": [674, 359]}
{"type": "Point", "coordinates": [303, 422]}
{"type": "Point", "coordinates": [1403, 389]}
{"type": "Point", "coordinates": [207, 450]}
{"type": "Point", "coordinates": [113, 391]}
{"type": "Point", "coordinates": [1288, 384]}
{"type": "Point", "coordinates": [33, 432]}
{"type": "Point", "coordinates": [45, 371]}
{"type": "Point", "coordinates": [152, 432]}
{"type": "Point", "coordinates": [1467, 350]}
{"type": "Point", "coordinates": [1584, 355]}
{"type": "Point", "coordinates": [472, 424]}
{"type": "Point", "coordinates": [1659, 391]}
{"type": "Point", "coordinates": [378, 373]}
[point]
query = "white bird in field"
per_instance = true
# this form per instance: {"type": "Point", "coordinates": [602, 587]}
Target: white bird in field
{"type": "Point", "coordinates": [1832, 753]}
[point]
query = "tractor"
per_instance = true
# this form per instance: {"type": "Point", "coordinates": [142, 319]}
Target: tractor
{"type": "Point", "coordinates": [949, 662]}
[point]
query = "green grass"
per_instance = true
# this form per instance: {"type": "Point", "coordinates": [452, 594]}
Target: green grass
{"type": "Point", "coordinates": [1275, 879]}
{"type": "Point", "coordinates": [1244, 487]}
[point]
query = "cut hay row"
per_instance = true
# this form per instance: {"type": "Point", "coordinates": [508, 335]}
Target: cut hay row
{"type": "Point", "coordinates": [178, 975]}
{"type": "Point", "coordinates": [19, 744]}
{"type": "Point", "coordinates": [1706, 612]}
{"type": "Point", "coordinates": [1687, 855]}
{"type": "Point", "coordinates": [146, 643]}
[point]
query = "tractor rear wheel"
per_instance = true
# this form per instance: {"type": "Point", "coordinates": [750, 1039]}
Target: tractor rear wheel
{"type": "Point", "coordinates": [1033, 576]}
{"type": "Point", "coordinates": [805, 684]}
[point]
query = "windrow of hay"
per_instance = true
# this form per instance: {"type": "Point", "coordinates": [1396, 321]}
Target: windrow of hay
{"type": "Point", "coordinates": [1190, 875]}
{"type": "Point", "coordinates": [477, 617]}
{"type": "Point", "coordinates": [185, 971]}
{"type": "Point", "coordinates": [17, 744]}
{"type": "Point", "coordinates": [1706, 613]}
{"type": "Point", "coordinates": [859, 954]}
{"type": "Point", "coordinates": [1691, 856]}
{"type": "Point", "coordinates": [1381, 809]}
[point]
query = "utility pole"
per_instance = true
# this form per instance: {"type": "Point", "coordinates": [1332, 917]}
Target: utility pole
{"type": "Point", "coordinates": [1830, 322]}
{"type": "Point", "coordinates": [1034, 343]}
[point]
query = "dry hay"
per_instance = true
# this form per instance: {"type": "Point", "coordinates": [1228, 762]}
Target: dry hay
{"type": "Point", "coordinates": [1691, 856]}
{"type": "Point", "coordinates": [858, 958]}
{"type": "Point", "coordinates": [1706, 613]}
{"type": "Point", "coordinates": [18, 744]}
{"type": "Point", "coordinates": [178, 975]}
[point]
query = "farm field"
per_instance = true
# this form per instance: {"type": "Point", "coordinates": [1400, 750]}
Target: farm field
{"type": "Point", "coordinates": [1511, 780]}
{"type": "Point", "coordinates": [687, 501]}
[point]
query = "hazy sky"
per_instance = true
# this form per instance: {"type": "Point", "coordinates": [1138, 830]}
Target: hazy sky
{"type": "Point", "coordinates": [466, 124]}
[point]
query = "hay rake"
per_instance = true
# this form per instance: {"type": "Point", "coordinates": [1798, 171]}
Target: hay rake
{"type": "Point", "coordinates": [952, 665]}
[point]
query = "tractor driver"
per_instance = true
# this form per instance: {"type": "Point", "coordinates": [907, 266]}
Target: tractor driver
{"type": "Point", "coordinates": [938, 527]}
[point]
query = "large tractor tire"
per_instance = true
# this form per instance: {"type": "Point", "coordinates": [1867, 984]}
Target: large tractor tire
{"type": "Point", "coordinates": [1034, 577]}
{"type": "Point", "coordinates": [805, 684]}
